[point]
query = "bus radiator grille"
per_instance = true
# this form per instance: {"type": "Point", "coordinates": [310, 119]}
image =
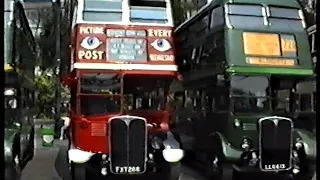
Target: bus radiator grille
{"type": "Point", "coordinates": [128, 142]}
{"type": "Point", "coordinates": [275, 144]}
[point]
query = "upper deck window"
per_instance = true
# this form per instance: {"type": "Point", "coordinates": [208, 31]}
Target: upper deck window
{"type": "Point", "coordinates": [277, 12]}
{"type": "Point", "coordinates": [245, 16]}
{"type": "Point", "coordinates": [247, 10]}
{"type": "Point", "coordinates": [102, 10]}
{"type": "Point", "coordinates": [148, 11]}
{"type": "Point", "coordinates": [283, 18]}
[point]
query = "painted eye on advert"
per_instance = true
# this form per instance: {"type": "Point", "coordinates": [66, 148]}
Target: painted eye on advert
{"type": "Point", "coordinates": [161, 45]}
{"type": "Point", "coordinates": [90, 43]}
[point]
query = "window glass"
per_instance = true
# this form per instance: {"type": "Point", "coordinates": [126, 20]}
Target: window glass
{"type": "Point", "coordinates": [146, 93]}
{"type": "Point", "coordinates": [286, 24]}
{"type": "Point", "coordinates": [314, 100]}
{"type": "Point", "coordinates": [99, 94]}
{"type": "Point", "coordinates": [221, 103]}
{"type": "Point", "coordinates": [305, 91]}
{"type": "Point", "coordinates": [284, 13]}
{"type": "Point", "coordinates": [148, 15]}
{"type": "Point", "coordinates": [96, 83]}
{"type": "Point", "coordinates": [246, 22]}
{"type": "Point", "coordinates": [250, 94]}
{"type": "Point", "coordinates": [217, 17]}
{"type": "Point", "coordinates": [148, 3]}
{"type": "Point", "coordinates": [305, 102]}
{"type": "Point", "coordinates": [250, 10]}
{"type": "Point", "coordinates": [283, 100]}
{"type": "Point", "coordinates": [103, 5]}
{"type": "Point", "coordinates": [102, 16]}
{"type": "Point", "coordinates": [95, 105]}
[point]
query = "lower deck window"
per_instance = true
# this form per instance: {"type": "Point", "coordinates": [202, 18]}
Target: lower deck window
{"type": "Point", "coordinates": [95, 105]}
{"type": "Point", "coordinates": [250, 94]}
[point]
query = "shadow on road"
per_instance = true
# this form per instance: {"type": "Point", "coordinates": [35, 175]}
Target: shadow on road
{"type": "Point", "coordinates": [61, 164]}
{"type": "Point", "coordinates": [62, 170]}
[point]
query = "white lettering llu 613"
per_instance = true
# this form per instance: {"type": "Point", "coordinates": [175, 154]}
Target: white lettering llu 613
{"type": "Point", "coordinates": [275, 167]}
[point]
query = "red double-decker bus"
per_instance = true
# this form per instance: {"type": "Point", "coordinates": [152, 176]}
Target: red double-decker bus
{"type": "Point", "coordinates": [122, 68]}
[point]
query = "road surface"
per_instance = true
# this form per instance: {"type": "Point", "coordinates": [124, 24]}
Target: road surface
{"type": "Point", "coordinates": [50, 163]}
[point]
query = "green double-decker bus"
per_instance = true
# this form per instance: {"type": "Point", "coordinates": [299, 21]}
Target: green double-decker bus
{"type": "Point", "coordinates": [250, 88]}
{"type": "Point", "coordinates": [19, 59]}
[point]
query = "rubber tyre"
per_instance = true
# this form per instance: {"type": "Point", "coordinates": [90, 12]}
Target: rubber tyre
{"type": "Point", "coordinates": [171, 171]}
{"type": "Point", "coordinates": [236, 175]}
{"type": "Point", "coordinates": [216, 174]}
{"type": "Point", "coordinates": [79, 171]}
{"type": "Point", "coordinates": [13, 171]}
{"type": "Point", "coordinates": [32, 145]}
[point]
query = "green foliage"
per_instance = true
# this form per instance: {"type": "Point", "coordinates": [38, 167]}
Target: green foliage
{"type": "Point", "coordinates": [45, 94]}
{"type": "Point", "coordinates": [46, 55]}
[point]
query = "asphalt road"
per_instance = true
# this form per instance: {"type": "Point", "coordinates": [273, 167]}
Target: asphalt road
{"type": "Point", "coordinates": [50, 163]}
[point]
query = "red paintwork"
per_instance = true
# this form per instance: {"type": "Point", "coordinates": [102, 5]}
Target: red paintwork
{"type": "Point", "coordinates": [83, 140]}
{"type": "Point", "coordinates": [80, 126]}
{"type": "Point", "coordinates": [102, 37]}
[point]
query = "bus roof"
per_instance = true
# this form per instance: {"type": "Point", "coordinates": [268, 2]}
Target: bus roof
{"type": "Point", "coordinates": [213, 3]}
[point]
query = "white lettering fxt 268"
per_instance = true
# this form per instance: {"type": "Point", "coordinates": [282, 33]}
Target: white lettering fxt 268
{"type": "Point", "coordinates": [128, 169]}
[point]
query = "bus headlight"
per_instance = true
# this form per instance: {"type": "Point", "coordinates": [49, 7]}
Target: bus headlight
{"type": "Point", "coordinates": [237, 123]}
{"type": "Point", "coordinates": [298, 145]}
{"type": "Point", "coordinates": [246, 144]}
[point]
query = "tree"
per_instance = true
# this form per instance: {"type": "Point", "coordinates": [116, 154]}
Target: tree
{"type": "Point", "coordinates": [46, 79]}
{"type": "Point", "coordinates": [45, 94]}
{"type": "Point", "coordinates": [309, 8]}
{"type": "Point", "coordinates": [182, 9]}
{"type": "Point", "coordinates": [47, 38]}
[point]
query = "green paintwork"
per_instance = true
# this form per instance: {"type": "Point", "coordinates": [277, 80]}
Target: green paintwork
{"type": "Point", "coordinates": [19, 51]}
{"type": "Point", "coordinates": [236, 134]}
{"type": "Point", "coordinates": [9, 136]}
{"type": "Point", "coordinates": [47, 131]}
{"type": "Point", "coordinates": [283, 3]}
{"type": "Point", "coordinates": [231, 153]}
{"type": "Point", "coordinates": [270, 71]}
{"type": "Point", "coordinates": [235, 63]}
{"type": "Point", "coordinates": [231, 141]}
{"type": "Point", "coordinates": [236, 58]}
